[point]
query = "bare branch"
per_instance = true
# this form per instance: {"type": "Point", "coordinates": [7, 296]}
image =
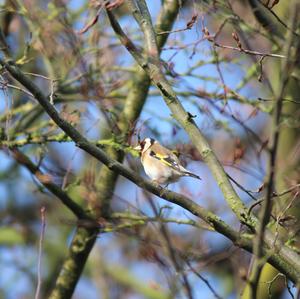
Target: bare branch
{"type": "Point", "coordinates": [41, 241]}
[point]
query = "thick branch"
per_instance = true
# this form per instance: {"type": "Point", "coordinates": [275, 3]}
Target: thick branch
{"type": "Point", "coordinates": [286, 263]}
{"type": "Point", "coordinates": [152, 68]}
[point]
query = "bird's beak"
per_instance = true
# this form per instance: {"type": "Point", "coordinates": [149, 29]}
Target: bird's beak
{"type": "Point", "coordinates": [138, 148]}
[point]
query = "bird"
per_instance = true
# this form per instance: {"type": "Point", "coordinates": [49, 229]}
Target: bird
{"type": "Point", "coordinates": [160, 163]}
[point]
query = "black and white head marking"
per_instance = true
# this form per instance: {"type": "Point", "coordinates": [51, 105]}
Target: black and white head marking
{"type": "Point", "coordinates": [146, 144]}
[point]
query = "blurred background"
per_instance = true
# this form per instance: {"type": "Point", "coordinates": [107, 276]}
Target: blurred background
{"type": "Point", "coordinates": [88, 75]}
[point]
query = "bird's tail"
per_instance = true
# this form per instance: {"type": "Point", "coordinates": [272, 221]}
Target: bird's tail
{"type": "Point", "coordinates": [187, 173]}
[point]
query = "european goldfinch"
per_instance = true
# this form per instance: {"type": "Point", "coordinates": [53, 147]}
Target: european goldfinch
{"type": "Point", "coordinates": [161, 164]}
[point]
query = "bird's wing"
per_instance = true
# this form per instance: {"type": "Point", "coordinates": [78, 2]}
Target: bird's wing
{"type": "Point", "coordinates": [168, 159]}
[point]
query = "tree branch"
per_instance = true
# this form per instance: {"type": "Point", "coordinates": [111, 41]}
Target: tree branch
{"type": "Point", "coordinates": [265, 212]}
{"type": "Point", "coordinates": [152, 68]}
{"type": "Point", "coordinates": [46, 181]}
{"type": "Point", "coordinates": [132, 108]}
{"type": "Point", "coordinates": [284, 260]}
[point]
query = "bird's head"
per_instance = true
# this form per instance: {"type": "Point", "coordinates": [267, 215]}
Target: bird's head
{"type": "Point", "coordinates": [144, 144]}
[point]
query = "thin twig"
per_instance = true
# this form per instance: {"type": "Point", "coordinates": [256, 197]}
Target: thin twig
{"type": "Point", "coordinates": [5, 85]}
{"type": "Point", "coordinates": [281, 22]}
{"type": "Point", "coordinates": [270, 283]}
{"type": "Point", "coordinates": [51, 92]}
{"type": "Point", "coordinates": [204, 280]}
{"type": "Point", "coordinates": [41, 241]}
{"type": "Point", "coordinates": [41, 76]}
{"type": "Point", "coordinates": [242, 188]}
{"type": "Point", "coordinates": [210, 38]}
{"type": "Point", "coordinates": [171, 250]}
{"type": "Point", "coordinates": [260, 77]}
{"type": "Point", "coordinates": [92, 22]}
{"type": "Point", "coordinates": [250, 52]}
{"type": "Point", "coordinates": [287, 191]}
